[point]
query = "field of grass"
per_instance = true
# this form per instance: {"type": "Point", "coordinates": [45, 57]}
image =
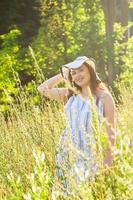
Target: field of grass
{"type": "Point", "coordinates": [28, 139]}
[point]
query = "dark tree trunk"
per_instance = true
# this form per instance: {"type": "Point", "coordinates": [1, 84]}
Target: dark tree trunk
{"type": "Point", "coordinates": [121, 14]}
{"type": "Point", "coordinates": [114, 11]}
{"type": "Point", "coordinates": [109, 13]}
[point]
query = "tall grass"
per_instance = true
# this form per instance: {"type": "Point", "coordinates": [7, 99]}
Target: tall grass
{"type": "Point", "coordinates": [25, 129]}
{"type": "Point", "coordinates": [28, 140]}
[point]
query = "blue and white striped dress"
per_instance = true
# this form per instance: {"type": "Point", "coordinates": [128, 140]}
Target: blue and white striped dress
{"type": "Point", "coordinates": [74, 157]}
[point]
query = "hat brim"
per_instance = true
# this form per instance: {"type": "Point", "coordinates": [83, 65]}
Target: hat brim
{"type": "Point", "coordinates": [65, 72]}
{"type": "Point", "coordinates": [74, 65]}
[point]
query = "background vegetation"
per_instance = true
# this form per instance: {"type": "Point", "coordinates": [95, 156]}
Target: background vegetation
{"type": "Point", "coordinates": [36, 38]}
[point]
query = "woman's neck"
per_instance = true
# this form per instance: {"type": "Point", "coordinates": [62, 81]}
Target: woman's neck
{"type": "Point", "coordinates": [86, 92]}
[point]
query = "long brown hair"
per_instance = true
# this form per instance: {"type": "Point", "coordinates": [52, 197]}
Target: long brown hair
{"type": "Point", "coordinates": [95, 83]}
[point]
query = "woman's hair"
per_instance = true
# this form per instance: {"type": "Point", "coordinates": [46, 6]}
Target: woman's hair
{"type": "Point", "coordinates": [95, 83]}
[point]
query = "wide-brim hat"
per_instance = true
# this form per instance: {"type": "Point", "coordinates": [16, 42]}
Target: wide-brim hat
{"type": "Point", "coordinates": [78, 62]}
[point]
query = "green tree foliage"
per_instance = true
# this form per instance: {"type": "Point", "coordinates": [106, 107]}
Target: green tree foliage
{"type": "Point", "coordinates": [127, 76]}
{"type": "Point", "coordinates": [9, 63]}
{"type": "Point", "coordinates": [16, 71]}
{"type": "Point", "coordinates": [69, 29]}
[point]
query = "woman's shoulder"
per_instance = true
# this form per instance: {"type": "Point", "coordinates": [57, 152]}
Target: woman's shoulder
{"type": "Point", "coordinates": [106, 97]}
{"type": "Point", "coordinates": [101, 93]}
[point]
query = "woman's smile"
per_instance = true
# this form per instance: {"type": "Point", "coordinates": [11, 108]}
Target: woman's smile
{"type": "Point", "coordinates": [79, 79]}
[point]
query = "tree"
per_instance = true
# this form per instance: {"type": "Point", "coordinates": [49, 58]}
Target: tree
{"type": "Point", "coordinates": [114, 11]}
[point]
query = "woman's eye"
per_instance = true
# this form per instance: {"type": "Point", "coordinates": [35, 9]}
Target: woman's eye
{"type": "Point", "coordinates": [73, 73]}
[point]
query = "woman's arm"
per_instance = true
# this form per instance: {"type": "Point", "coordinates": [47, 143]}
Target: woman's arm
{"type": "Point", "coordinates": [109, 113]}
{"type": "Point", "coordinates": [47, 88]}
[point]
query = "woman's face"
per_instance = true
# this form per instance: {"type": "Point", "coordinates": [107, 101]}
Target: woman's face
{"type": "Point", "coordinates": [81, 76]}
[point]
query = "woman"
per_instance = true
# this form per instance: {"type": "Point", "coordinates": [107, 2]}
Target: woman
{"type": "Point", "coordinates": [82, 76]}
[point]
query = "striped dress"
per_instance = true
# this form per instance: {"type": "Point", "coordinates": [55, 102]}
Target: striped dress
{"type": "Point", "coordinates": [74, 158]}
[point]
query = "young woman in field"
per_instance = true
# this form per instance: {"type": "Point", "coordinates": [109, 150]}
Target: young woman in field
{"type": "Point", "coordinates": [85, 84]}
